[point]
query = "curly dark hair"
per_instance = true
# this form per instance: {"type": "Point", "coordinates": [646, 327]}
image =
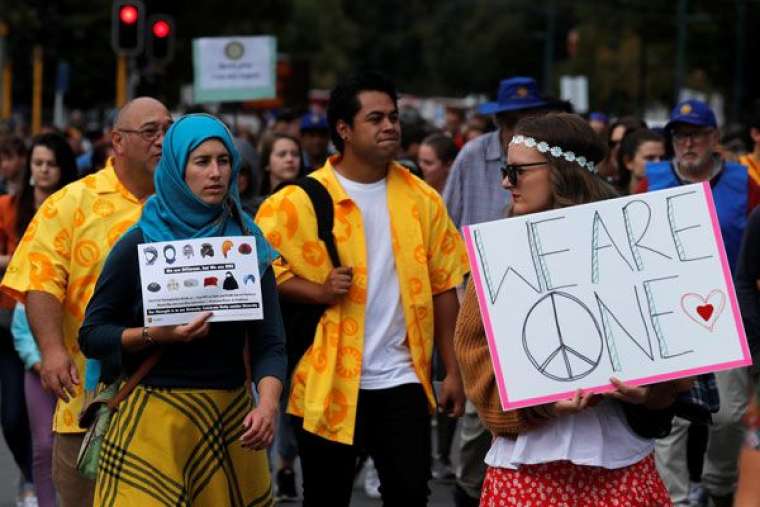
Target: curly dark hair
{"type": "Point", "coordinates": [344, 100]}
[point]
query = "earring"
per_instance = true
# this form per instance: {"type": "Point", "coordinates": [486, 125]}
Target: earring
{"type": "Point", "coordinates": [31, 181]}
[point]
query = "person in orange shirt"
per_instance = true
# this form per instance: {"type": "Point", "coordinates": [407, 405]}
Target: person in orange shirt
{"type": "Point", "coordinates": [51, 166]}
{"type": "Point", "coordinates": [57, 263]}
{"type": "Point", "coordinates": [365, 382]}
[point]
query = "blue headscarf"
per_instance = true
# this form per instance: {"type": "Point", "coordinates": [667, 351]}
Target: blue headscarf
{"type": "Point", "coordinates": [175, 213]}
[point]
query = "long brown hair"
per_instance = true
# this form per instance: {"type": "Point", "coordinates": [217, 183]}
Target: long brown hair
{"type": "Point", "coordinates": [64, 158]}
{"type": "Point", "coordinates": [266, 148]}
{"type": "Point", "coordinates": [571, 183]}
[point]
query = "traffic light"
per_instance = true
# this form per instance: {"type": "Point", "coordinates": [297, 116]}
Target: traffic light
{"type": "Point", "coordinates": [161, 38]}
{"type": "Point", "coordinates": [127, 26]}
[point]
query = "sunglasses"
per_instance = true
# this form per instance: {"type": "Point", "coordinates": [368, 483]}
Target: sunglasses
{"type": "Point", "coordinates": [512, 171]}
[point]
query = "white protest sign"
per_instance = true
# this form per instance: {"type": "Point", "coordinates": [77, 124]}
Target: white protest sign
{"type": "Point", "coordinates": [638, 288]}
{"type": "Point", "coordinates": [181, 279]}
{"type": "Point", "coordinates": [234, 68]}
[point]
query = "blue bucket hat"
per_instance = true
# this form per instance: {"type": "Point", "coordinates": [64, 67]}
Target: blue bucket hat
{"type": "Point", "coordinates": [515, 93]}
{"type": "Point", "coordinates": [692, 112]}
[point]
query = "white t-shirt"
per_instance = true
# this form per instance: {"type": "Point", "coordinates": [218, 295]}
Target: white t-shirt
{"type": "Point", "coordinates": [598, 436]}
{"type": "Point", "coordinates": [386, 360]}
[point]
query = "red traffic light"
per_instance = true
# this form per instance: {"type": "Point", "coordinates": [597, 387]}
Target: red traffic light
{"type": "Point", "coordinates": [128, 14]}
{"type": "Point", "coordinates": [161, 29]}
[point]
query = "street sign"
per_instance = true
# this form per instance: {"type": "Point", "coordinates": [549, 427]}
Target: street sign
{"type": "Point", "coordinates": [230, 69]}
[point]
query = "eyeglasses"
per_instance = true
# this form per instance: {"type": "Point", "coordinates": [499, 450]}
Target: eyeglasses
{"type": "Point", "coordinates": [149, 133]}
{"type": "Point", "coordinates": [696, 136]}
{"type": "Point", "coordinates": [512, 171]}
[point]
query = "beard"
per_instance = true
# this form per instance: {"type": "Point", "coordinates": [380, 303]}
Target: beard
{"type": "Point", "coordinates": [696, 167]}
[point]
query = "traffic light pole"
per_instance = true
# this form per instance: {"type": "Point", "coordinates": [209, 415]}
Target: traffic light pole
{"type": "Point", "coordinates": [7, 91]}
{"type": "Point", "coordinates": [37, 90]}
{"type": "Point", "coordinates": [6, 80]}
{"type": "Point", "coordinates": [121, 80]}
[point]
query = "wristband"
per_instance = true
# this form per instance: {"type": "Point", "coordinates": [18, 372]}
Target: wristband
{"type": "Point", "coordinates": [147, 338]}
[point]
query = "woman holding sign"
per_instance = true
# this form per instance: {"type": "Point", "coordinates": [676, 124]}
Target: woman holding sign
{"type": "Point", "coordinates": [580, 451]}
{"type": "Point", "coordinates": [188, 434]}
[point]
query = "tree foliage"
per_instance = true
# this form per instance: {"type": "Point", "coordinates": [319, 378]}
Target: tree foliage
{"type": "Point", "coordinates": [451, 47]}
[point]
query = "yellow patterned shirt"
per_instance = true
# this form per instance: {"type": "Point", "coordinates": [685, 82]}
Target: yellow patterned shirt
{"type": "Point", "coordinates": [62, 253]}
{"type": "Point", "coordinates": [429, 257]}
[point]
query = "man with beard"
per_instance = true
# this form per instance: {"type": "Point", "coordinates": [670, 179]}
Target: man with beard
{"type": "Point", "coordinates": [695, 136]}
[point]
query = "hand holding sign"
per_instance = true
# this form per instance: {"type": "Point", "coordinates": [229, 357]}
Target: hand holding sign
{"type": "Point", "coordinates": [196, 328]}
{"type": "Point", "coordinates": [637, 288]}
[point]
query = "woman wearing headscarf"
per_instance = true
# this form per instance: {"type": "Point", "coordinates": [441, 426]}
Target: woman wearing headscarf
{"type": "Point", "coordinates": [189, 433]}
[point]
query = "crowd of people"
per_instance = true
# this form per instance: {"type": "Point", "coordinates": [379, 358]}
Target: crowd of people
{"type": "Point", "coordinates": [372, 334]}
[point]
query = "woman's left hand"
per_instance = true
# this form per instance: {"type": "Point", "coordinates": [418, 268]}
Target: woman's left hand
{"type": "Point", "coordinates": [636, 395]}
{"type": "Point", "coordinates": [260, 425]}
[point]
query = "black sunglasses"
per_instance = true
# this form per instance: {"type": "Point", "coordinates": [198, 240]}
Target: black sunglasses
{"type": "Point", "coordinates": [512, 171]}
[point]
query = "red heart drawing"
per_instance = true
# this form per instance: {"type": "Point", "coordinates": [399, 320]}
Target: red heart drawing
{"type": "Point", "coordinates": [705, 311]}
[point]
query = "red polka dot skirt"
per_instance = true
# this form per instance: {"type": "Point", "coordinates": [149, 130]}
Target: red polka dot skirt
{"type": "Point", "coordinates": [563, 484]}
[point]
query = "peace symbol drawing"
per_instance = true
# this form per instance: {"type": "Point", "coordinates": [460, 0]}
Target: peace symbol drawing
{"type": "Point", "coordinates": [559, 344]}
{"type": "Point", "coordinates": [705, 311]}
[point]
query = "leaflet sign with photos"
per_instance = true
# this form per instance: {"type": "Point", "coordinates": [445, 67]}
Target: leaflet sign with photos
{"type": "Point", "coordinates": [181, 279]}
{"type": "Point", "coordinates": [637, 288]}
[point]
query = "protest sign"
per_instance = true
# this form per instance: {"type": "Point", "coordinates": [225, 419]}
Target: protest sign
{"type": "Point", "coordinates": [181, 279]}
{"type": "Point", "coordinates": [638, 288]}
{"type": "Point", "coordinates": [234, 68]}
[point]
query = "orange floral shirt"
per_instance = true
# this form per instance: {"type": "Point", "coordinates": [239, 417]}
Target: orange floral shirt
{"type": "Point", "coordinates": [62, 252]}
{"type": "Point", "coordinates": [430, 259]}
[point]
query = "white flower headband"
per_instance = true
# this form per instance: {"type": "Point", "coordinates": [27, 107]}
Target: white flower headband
{"type": "Point", "coordinates": [554, 151]}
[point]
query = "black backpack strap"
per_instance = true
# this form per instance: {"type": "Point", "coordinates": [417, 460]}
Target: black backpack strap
{"type": "Point", "coordinates": [322, 203]}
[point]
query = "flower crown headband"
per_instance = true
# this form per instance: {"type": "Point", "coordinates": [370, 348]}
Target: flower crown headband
{"type": "Point", "coordinates": [554, 151]}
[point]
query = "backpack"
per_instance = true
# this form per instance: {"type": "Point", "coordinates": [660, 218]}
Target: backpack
{"type": "Point", "coordinates": [301, 319]}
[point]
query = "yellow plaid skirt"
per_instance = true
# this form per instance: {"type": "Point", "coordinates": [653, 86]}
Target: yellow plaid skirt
{"type": "Point", "coordinates": [180, 447]}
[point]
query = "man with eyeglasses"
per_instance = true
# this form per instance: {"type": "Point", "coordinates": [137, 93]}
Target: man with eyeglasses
{"type": "Point", "coordinates": [57, 263]}
{"type": "Point", "coordinates": [695, 136]}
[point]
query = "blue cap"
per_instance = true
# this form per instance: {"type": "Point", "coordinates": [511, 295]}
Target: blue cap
{"type": "Point", "coordinates": [314, 121]}
{"type": "Point", "coordinates": [692, 112]}
{"type": "Point", "coordinates": [515, 93]}
{"type": "Point", "coordinates": [597, 116]}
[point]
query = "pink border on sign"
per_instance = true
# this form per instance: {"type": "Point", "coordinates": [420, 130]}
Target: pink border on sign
{"type": "Point", "coordinates": [707, 191]}
{"type": "Point", "coordinates": [498, 372]}
{"type": "Point", "coordinates": [468, 241]}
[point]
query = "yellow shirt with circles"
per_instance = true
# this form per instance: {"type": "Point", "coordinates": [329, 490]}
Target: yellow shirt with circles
{"type": "Point", "coordinates": [62, 252]}
{"type": "Point", "coordinates": [753, 166]}
{"type": "Point", "coordinates": [430, 259]}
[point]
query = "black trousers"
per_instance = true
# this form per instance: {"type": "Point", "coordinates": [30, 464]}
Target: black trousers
{"type": "Point", "coordinates": [393, 427]}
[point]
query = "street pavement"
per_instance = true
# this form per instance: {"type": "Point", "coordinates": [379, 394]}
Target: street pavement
{"type": "Point", "coordinates": [440, 496]}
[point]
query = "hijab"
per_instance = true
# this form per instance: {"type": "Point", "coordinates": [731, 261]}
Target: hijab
{"type": "Point", "coordinates": [174, 212]}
